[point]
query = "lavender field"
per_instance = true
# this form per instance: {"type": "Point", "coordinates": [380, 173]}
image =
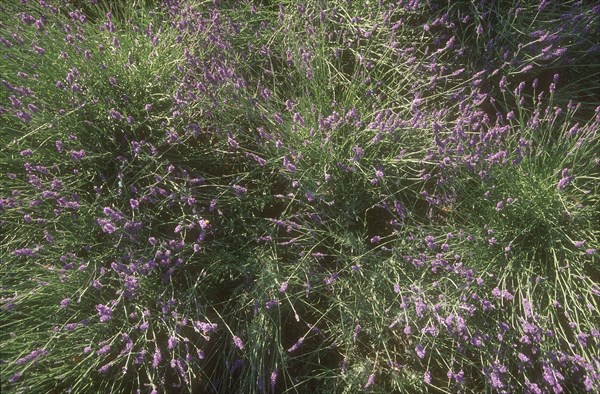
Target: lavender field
{"type": "Point", "coordinates": [206, 196]}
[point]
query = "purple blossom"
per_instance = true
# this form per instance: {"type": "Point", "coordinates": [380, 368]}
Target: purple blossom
{"type": "Point", "coordinates": [24, 252]}
{"type": "Point", "coordinates": [283, 287]}
{"type": "Point", "coordinates": [271, 304]}
{"type": "Point", "coordinates": [103, 350]}
{"type": "Point", "coordinates": [31, 356]}
{"type": "Point", "coordinates": [104, 312]}
{"type": "Point", "coordinates": [526, 307]}
{"type": "Point", "coordinates": [289, 104]}
{"type": "Point", "coordinates": [112, 214]}
{"type": "Point", "coordinates": [237, 341]}
{"type": "Point", "coordinates": [205, 328]}
{"type": "Point", "coordinates": [24, 116]}
{"type": "Point", "coordinates": [172, 343]}
{"type": "Point", "coordinates": [237, 364]}
{"type": "Point", "coordinates": [563, 182]}
{"type": "Point", "coordinates": [370, 380]}
{"type": "Point", "coordinates": [331, 279]}
{"type": "Point", "coordinates": [156, 358]}
{"type": "Point", "coordinates": [427, 377]}
{"type": "Point", "coordinates": [298, 119]}
{"type": "Point", "coordinates": [523, 358]}
{"type": "Point", "coordinates": [16, 103]}
{"type": "Point", "coordinates": [420, 308]}
{"type": "Point", "coordinates": [533, 388]}
{"type": "Point", "coordinates": [496, 381]}
{"type": "Point", "coordinates": [459, 377]}
{"type": "Point", "coordinates": [296, 345]}
{"type": "Point", "coordinates": [549, 376]}
{"type": "Point", "coordinates": [116, 115]}
{"type": "Point", "coordinates": [239, 190]}
{"type": "Point", "coordinates": [420, 350]}
{"type": "Point", "coordinates": [107, 226]}
{"type": "Point", "coordinates": [77, 155]}
{"type": "Point", "coordinates": [358, 153]}
{"type": "Point", "coordinates": [261, 162]}
{"type": "Point", "coordinates": [104, 369]}
{"type": "Point", "coordinates": [231, 141]}
{"type": "Point", "coordinates": [273, 379]}
{"type": "Point", "coordinates": [288, 165]}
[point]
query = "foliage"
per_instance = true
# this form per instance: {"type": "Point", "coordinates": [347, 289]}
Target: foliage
{"type": "Point", "coordinates": [275, 196]}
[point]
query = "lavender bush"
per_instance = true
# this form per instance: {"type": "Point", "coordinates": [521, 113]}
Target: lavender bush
{"type": "Point", "coordinates": [276, 196]}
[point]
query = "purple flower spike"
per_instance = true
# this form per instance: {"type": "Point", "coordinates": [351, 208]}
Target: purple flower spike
{"type": "Point", "coordinates": [237, 341]}
{"type": "Point", "coordinates": [172, 343]}
{"type": "Point", "coordinates": [331, 279]}
{"type": "Point", "coordinates": [239, 190]}
{"type": "Point", "coordinates": [565, 179]}
{"type": "Point", "coordinates": [427, 377]}
{"type": "Point", "coordinates": [116, 115]}
{"type": "Point", "coordinates": [296, 345]}
{"type": "Point", "coordinates": [274, 376]}
{"type": "Point", "coordinates": [157, 358]}
{"type": "Point", "coordinates": [283, 287]}
{"type": "Point", "coordinates": [77, 155]}
{"type": "Point", "coordinates": [563, 183]}
{"type": "Point", "coordinates": [104, 369]}
{"type": "Point", "coordinates": [24, 252]}
{"type": "Point", "coordinates": [105, 313]}
{"type": "Point", "coordinates": [370, 380]}
{"type": "Point", "coordinates": [288, 165]}
{"type": "Point", "coordinates": [103, 350]}
{"type": "Point", "coordinates": [271, 304]}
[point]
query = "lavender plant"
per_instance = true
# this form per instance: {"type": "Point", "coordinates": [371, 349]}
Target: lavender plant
{"type": "Point", "coordinates": [269, 197]}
